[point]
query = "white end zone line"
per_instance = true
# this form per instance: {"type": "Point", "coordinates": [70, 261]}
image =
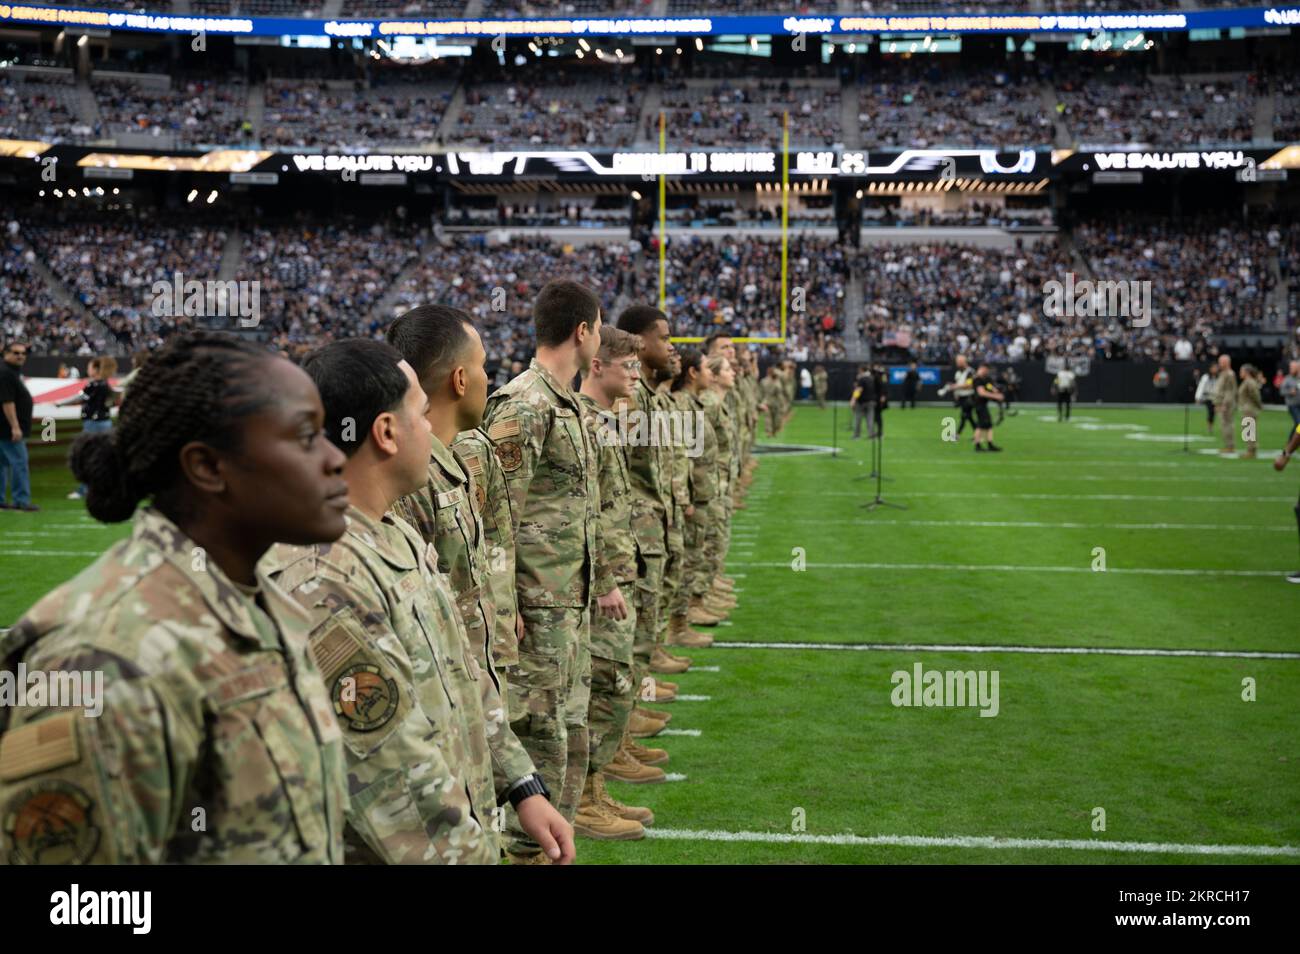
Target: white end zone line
{"type": "Point", "coordinates": [973, 841]}
{"type": "Point", "coordinates": [693, 733]}
{"type": "Point", "coordinates": [1012, 568]}
{"type": "Point", "coordinates": [1033, 650]}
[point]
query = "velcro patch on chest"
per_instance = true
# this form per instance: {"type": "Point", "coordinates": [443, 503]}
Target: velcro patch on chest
{"type": "Point", "coordinates": [451, 498]}
{"type": "Point", "coordinates": [39, 746]}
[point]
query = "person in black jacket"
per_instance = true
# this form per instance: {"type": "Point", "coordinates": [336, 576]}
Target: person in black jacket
{"type": "Point", "coordinates": [864, 403]}
{"type": "Point", "coordinates": [911, 385]}
{"type": "Point", "coordinates": [16, 402]}
{"type": "Point", "coordinates": [97, 399]}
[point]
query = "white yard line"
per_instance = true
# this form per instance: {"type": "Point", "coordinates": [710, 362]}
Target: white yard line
{"type": "Point", "coordinates": [1012, 568]}
{"type": "Point", "coordinates": [974, 841]}
{"type": "Point", "coordinates": [1033, 650]}
{"type": "Point", "coordinates": [693, 733]}
{"type": "Point", "coordinates": [1045, 525]}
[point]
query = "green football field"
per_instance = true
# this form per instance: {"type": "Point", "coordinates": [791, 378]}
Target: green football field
{"type": "Point", "coordinates": [792, 751]}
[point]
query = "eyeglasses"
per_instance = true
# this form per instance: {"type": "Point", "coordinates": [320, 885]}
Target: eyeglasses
{"type": "Point", "coordinates": [630, 366]}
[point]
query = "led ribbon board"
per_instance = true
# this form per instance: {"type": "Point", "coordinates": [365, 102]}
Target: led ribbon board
{"type": "Point", "coordinates": [770, 25]}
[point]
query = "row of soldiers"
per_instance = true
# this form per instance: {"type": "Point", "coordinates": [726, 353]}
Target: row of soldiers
{"type": "Point", "coordinates": [371, 614]}
{"type": "Point", "coordinates": [777, 393]}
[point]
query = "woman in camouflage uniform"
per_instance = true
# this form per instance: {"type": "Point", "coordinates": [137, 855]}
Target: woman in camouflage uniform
{"type": "Point", "coordinates": [210, 737]}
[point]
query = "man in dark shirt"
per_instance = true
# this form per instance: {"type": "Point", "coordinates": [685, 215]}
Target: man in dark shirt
{"type": "Point", "coordinates": [864, 404]}
{"type": "Point", "coordinates": [911, 384]}
{"type": "Point", "coordinates": [984, 393]}
{"type": "Point", "coordinates": [16, 402]}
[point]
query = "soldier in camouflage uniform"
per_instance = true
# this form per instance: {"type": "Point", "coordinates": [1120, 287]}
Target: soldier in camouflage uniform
{"type": "Point", "coordinates": [443, 347]}
{"type": "Point", "coordinates": [693, 382]}
{"type": "Point", "coordinates": [216, 742]}
{"type": "Point", "coordinates": [550, 469]}
{"type": "Point", "coordinates": [650, 470]}
{"type": "Point", "coordinates": [613, 375]}
{"type": "Point", "coordinates": [718, 538]}
{"type": "Point", "coordinates": [427, 767]}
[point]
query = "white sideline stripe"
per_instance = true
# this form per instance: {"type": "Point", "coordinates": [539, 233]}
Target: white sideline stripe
{"type": "Point", "coordinates": [973, 841]}
{"type": "Point", "coordinates": [706, 669]}
{"type": "Point", "coordinates": [1045, 525]}
{"type": "Point", "coordinates": [674, 777]}
{"type": "Point", "coordinates": [1207, 477]}
{"type": "Point", "coordinates": [55, 553]}
{"type": "Point", "coordinates": [993, 495]}
{"type": "Point", "coordinates": [681, 698]}
{"type": "Point", "coordinates": [693, 733]}
{"type": "Point", "coordinates": [1010, 568]}
{"type": "Point", "coordinates": [1032, 650]}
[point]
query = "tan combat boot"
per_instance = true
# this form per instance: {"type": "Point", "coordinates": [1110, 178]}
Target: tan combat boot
{"type": "Point", "coordinates": [661, 692]}
{"type": "Point", "coordinates": [644, 754]}
{"type": "Point", "coordinates": [595, 821]}
{"type": "Point", "coordinates": [723, 583]}
{"type": "Point", "coordinates": [670, 686]}
{"type": "Point", "coordinates": [612, 805]}
{"type": "Point", "coordinates": [624, 768]}
{"type": "Point", "coordinates": [699, 615]}
{"type": "Point", "coordinates": [716, 600]}
{"type": "Point", "coordinates": [666, 663]}
{"type": "Point", "coordinates": [643, 727]}
{"type": "Point", "coordinates": [535, 859]}
{"type": "Point", "coordinates": [680, 634]}
{"type": "Point", "coordinates": [663, 715]}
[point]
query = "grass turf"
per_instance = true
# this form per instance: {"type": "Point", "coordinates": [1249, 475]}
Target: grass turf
{"type": "Point", "coordinates": [1165, 745]}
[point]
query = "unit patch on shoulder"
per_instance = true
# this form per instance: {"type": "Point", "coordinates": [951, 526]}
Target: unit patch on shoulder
{"type": "Point", "coordinates": [49, 823]}
{"type": "Point", "coordinates": [510, 454]}
{"type": "Point", "coordinates": [364, 698]}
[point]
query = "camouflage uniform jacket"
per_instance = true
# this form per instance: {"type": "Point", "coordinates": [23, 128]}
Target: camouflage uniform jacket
{"type": "Point", "coordinates": [550, 468]}
{"type": "Point", "coordinates": [617, 561]}
{"type": "Point", "coordinates": [216, 743]}
{"type": "Point", "coordinates": [391, 645]}
{"type": "Point", "coordinates": [443, 515]}
{"type": "Point", "coordinates": [703, 466]}
{"type": "Point", "coordinates": [650, 471]}
{"type": "Point", "coordinates": [478, 453]}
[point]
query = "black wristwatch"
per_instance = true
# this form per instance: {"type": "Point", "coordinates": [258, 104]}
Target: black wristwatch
{"type": "Point", "coordinates": [526, 787]}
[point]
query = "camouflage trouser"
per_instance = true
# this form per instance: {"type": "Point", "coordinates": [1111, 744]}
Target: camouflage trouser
{"type": "Point", "coordinates": [549, 692]}
{"type": "Point", "coordinates": [648, 608]}
{"type": "Point", "coordinates": [613, 695]}
{"type": "Point", "coordinates": [1228, 425]}
{"type": "Point", "coordinates": [717, 539]}
{"type": "Point", "coordinates": [699, 572]}
{"type": "Point", "coordinates": [612, 688]}
{"type": "Point", "coordinates": [674, 575]}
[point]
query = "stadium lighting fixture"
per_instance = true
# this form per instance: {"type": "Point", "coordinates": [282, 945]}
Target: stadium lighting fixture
{"type": "Point", "coordinates": [619, 54]}
{"type": "Point", "coordinates": [41, 193]}
{"type": "Point", "coordinates": [679, 51]}
{"type": "Point", "coordinates": [86, 193]}
{"type": "Point", "coordinates": [212, 196]}
{"type": "Point", "coordinates": [699, 45]}
{"type": "Point", "coordinates": [892, 47]}
{"type": "Point", "coordinates": [584, 44]}
{"type": "Point", "coordinates": [859, 193]}
{"type": "Point", "coordinates": [83, 41]}
{"type": "Point", "coordinates": [58, 193]}
{"type": "Point", "coordinates": [194, 194]}
{"type": "Point", "coordinates": [753, 43]}
{"type": "Point", "coordinates": [99, 190]}
{"type": "Point", "coordinates": [1087, 41]}
{"type": "Point", "coordinates": [636, 195]}
{"type": "Point", "coordinates": [1150, 43]}
{"type": "Point", "coordinates": [927, 43]}
{"type": "Point", "coordinates": [853, 48]}
{"type": "Point", "coordinates": [659, 51]}
{"type": "Point", "coordinates": [579, 52]}
{"type": "Point", "coordinates": [116, 191]}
